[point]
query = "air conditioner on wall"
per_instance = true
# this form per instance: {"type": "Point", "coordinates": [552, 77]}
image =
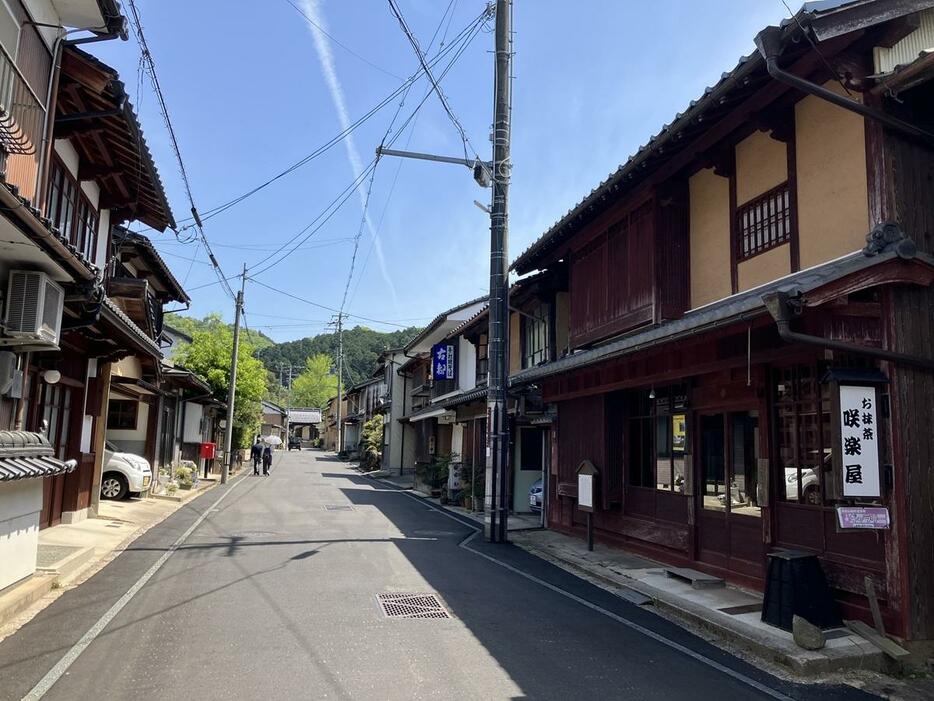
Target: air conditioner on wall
{"type": "Point", "coordinates": [33, 308]}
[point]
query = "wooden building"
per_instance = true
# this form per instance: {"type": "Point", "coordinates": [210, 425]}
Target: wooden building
{"type": "Point", "coordinates": [770, 245]}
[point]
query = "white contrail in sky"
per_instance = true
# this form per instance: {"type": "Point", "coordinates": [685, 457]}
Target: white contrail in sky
{"type": "Point", "coordinates": [329, 70]}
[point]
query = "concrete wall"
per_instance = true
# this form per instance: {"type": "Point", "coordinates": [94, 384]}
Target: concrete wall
{"type": "Point", "coordinates": [710, 237]}
{"type": "Point", "coordinates": [20, 505]}
{"type": "Point", "coordinates": [833, 199]}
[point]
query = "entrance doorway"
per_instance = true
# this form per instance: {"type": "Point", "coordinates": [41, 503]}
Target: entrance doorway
{"type": "Point", "coordinates": [729, 532]}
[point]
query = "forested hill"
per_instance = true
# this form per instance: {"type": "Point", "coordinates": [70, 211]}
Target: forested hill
{"type": "Point", "coordinates": [361, 348]}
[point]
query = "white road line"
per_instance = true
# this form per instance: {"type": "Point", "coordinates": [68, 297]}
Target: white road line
{"type": "Point", "coordinates": [54, 674]}
{"type": "Point", "coordinates": [738, 676]}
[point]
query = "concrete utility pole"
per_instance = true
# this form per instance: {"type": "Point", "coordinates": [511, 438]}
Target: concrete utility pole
{"type": "Point", "coordinates": [497, 455]}
{"type": "Point", "coordinates": [340, 380]}
{"type": "Point", "coordinates": [232, 389]}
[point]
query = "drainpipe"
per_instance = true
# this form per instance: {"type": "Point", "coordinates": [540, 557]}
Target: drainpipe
{"type": "Point", "coordinates": [769, 43]}
{"type": "Point", "coordinates": [783, 306]}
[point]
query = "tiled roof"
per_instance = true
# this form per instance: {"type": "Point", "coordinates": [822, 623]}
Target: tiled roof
{"type": "Point", "coordinates": [25, 455]}
{"type": "Point", "coordinates": [132, 328]}
{"type": "Point", "coordinates": [738, 307]}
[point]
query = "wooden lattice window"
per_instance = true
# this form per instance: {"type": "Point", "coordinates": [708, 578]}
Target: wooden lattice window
{"type": "Point", "coordinates": [764, 222]}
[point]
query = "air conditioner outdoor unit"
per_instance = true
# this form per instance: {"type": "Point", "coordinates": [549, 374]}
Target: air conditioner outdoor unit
{"type": "Point", "coordinates": [34, 307]}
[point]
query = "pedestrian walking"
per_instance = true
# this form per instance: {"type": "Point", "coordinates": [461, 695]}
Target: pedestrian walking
{"type": "Point", "coordinates": [267, 459]}
{"type": "Point", "coordinates": [256, 452]}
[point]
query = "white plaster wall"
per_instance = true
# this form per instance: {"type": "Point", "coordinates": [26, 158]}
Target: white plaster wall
{"type": "Point", "coordinates": [20, 505]}
{"type": "Point", "coordinates": [466, 364]}
{"type": "Point", "coordinates": [132, 441]}
{"type": "Point", "coordinates": [191, 433]}
{"type": "Point", "coordinates": [68, 154]}
{"type": "Point", "coordinates": [103, 239]}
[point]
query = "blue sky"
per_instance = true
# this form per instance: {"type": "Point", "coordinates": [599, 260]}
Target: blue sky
{"type": "Point", "coordinates": [251, 91]}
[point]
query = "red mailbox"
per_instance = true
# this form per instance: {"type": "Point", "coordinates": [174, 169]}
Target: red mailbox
{"type": "Point", "coordinates": [208, 450]}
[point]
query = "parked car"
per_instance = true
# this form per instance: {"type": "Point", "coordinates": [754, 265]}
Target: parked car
{"type": "Point", "coordinates": [124, 473]}
{"type": "Point", "coordinates": [536, 495]}
{"type": "Point", "coordinates": [295, 442]}
{"type": "Point", "coordinates": [810, 486]}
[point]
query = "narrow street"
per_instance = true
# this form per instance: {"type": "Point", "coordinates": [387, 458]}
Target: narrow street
{"type": "Point", "coordinates": [273, 594]}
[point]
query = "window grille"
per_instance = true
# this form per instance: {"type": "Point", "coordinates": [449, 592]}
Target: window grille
{"type": "Point", "coordinates": [764, 222]}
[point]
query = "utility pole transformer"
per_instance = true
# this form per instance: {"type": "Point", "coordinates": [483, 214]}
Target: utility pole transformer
{"type": "Point", "coordinates": [232, 386]}
{"type": "Point", "coordinates": [497, 453]}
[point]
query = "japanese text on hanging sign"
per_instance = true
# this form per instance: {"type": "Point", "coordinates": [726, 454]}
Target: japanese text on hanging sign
{"type": "Point", "coordinates": [442, 362]}
{"type": "Point", "coordinates": [859, 441]}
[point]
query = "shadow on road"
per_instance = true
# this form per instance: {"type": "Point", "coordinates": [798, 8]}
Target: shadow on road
{"type": "Point", "coordinates": [551, 645]}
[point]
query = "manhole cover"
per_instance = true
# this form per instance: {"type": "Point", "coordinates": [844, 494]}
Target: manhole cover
{"type": "Point", "coordinates": [337, 507]}
{"type": "Point", "coordinates": [412, 606]}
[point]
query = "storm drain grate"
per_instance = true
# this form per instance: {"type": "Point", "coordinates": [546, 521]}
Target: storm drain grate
{"type": "Point", "coordinates": [337, 507]}
{"type": "Point", "coordinates": [412, 606]}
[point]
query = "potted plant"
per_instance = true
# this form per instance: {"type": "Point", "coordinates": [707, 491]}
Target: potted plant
{"type": "Point", "coordinates": [184, 477]}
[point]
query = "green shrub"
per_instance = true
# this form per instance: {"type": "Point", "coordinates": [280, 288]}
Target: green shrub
{"type": "Point", "coordinates": [185, 477]}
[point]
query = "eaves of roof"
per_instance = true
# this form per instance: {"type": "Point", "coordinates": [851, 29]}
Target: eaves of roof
{"type": "Point", "coordinates": [738, 307]}
{"type": "Point", "coordinates": [116, 316]}
{"type": "Point", "coordinates": [439, 320]}
{"type": "Point", "coordinates": [130, 239]}
{"type": "Point", "coordinates": [464, 397]}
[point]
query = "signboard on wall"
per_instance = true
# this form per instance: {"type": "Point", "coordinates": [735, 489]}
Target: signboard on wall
{"type": "Point", "coordinates": [442, 361]}
{"type": "Point", "coordinates": [863, 517]}
{"type": "Point", "coordinates": [859, 441]}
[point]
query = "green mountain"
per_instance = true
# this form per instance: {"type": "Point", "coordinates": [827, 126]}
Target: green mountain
{"type": "Point", "coordinates": [361, 348]}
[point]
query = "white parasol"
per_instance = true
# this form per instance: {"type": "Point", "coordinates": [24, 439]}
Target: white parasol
{"type": "Point", "coordinates": [272, 440]}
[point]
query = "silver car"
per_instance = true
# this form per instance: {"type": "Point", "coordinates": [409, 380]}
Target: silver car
{"type": "Point", "coordinates": [124, 473]}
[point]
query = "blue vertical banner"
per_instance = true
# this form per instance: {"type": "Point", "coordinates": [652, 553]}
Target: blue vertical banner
{"type": "Point", "coordinates": [442, 361]}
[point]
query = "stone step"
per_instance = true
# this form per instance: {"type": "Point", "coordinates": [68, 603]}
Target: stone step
{"type": "Point", "coordinates": [698, 580]}
{"type": "Point", "coordinates": [63, 560]}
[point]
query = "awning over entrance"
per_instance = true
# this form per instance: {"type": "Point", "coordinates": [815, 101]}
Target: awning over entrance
{"type": "Point", "coordinates": [26, 455]}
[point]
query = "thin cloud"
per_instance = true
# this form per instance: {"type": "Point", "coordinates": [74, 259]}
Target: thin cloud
{"type": "Point", "coordinates": [329, 70]}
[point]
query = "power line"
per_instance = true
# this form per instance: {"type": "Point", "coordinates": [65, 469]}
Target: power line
{"type": "Point", "coordinates": [163, 108]}
{"type": "Point", "coordinates": [323, 306]}
{"type": "Point", "coordinates": [434, 83]}
{"type": "Point", "coordinates": [219, 209]}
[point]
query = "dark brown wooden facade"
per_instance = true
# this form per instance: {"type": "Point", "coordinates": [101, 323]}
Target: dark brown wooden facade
{"type": "Point", "coordinates": [717, 444]}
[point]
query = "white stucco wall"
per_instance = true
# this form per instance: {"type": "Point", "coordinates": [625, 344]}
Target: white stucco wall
{"type": "Point", "coordinates": [132, 440]}
{"type": "Point", "coordinates": [20, 505]}
{"type": "Point", "coordinates": [191, 433]}
{"type": "Point", "coordinates": [466, 364]}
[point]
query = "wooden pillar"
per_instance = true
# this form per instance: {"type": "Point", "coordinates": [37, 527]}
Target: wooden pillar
{"type": "Point", "coordinates": [98, 409]}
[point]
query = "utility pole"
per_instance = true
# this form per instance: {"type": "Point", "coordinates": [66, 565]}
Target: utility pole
{"type": "Point", "coordinates": [497, 171]}
{"type": "Point", "coordinates": [232, 389]}
{"type": "Point", "coordinates": [288, 403]}
{"type": "Point", "coordinates": [340, 379]}
{"type": "Point", "coordinates": [497, 455]}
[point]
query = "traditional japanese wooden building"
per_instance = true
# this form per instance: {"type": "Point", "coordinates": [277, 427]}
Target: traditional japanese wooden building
{"type": "Point", "coordinates": [771, 245]}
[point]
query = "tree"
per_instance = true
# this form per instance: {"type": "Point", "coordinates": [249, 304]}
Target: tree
{"type": "Point", "coordinates": [372, 440]}
{"type": "Point", "coordinates": [208, 355]}
{"type": "Point", "coordinates": [316, 384]}
{"type": "Point", "coordinates": [361, 348]}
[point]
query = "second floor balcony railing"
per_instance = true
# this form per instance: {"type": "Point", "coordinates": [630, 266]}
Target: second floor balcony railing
{"type": "Point", "coordinates": [21, 113]}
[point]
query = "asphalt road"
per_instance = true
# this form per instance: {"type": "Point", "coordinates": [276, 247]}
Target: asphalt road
{"type": "Point", "coordinates": [271, 593]}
